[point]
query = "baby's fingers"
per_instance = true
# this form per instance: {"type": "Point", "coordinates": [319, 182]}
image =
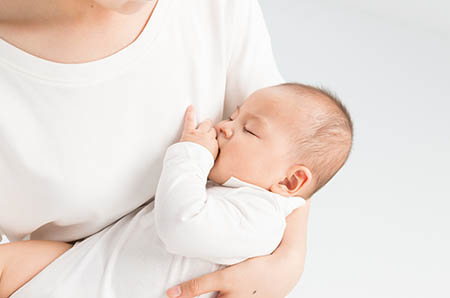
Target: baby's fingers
{"type": "Point", "coordinates": [189, 118]}
{"type": "Point", "coordinates": [205, 126]}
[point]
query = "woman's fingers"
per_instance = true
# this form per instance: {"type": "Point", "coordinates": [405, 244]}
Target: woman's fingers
{"type": "Point", "coordinates": [197, 286]}
{"type": "Point", "coordinates": [189, 118]}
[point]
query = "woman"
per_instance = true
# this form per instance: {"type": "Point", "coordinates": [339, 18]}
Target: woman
{"type": "Point", "coordinates": [91, 93]}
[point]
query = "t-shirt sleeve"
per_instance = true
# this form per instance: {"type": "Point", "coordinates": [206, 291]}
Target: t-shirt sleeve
{"type": "Point", "coordinates": [251, 65]}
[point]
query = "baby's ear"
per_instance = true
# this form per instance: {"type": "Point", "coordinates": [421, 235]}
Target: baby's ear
{"type": "Point", "coordinates": [296, 182]}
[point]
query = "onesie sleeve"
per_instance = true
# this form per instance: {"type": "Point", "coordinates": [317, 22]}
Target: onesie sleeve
{"type": "Point", "coordinates": [181, 190]}
{"type": "Point", "coordinates": [251, 65]}
{"type": "Point", "coordinates": [224, 229]}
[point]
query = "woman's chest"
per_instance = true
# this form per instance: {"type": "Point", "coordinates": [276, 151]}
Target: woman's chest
{"type": "Point", "coordinates": [92, 152]}
{"type": "Point", "coordinates": [82, 145]}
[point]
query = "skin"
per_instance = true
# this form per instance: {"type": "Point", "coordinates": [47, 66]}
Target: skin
{"type": "Point", "coordinates": [72, 31]}
{"type": "Point", "coordinates": [124, 6]}
{"type": "Point", "coordinates": [21, 261]}
{"type": "Point", "coordinates": [256, 139]}
{"type": "Point", "coordinates": [73, 28]}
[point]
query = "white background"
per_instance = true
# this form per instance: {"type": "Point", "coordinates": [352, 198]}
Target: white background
{"type": "Point", "coordinates": [381, 227]}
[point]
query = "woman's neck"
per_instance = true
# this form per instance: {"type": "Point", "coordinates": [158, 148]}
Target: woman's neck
{"type": "Point", "coordinates": [56, 33]}
{"type": "Point", "coordinates": [29, 12]}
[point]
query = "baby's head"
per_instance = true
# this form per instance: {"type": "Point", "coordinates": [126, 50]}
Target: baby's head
{"type": "Point", "coordinates": [290, 139]}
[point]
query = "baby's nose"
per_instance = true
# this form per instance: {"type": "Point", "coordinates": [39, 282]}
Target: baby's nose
{"type": "Point", "coordinates": [228, 132]}
{"type": "Point", "coordinates": [222, 129]}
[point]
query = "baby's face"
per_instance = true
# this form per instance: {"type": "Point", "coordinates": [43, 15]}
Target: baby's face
{"type": "Point", "coordinates": [254, 142]}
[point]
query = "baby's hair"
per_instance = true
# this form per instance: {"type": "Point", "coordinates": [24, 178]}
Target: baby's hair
{"type": "Point", "coordinates": [324, 143]}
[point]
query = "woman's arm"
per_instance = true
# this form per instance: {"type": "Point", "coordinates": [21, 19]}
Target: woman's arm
{"type": "Point", "coordinates": [21, 261]}
{"type": "Point", "coordinates": [252, 66]}
{"type": "Point", "coordinates": [255, 277]}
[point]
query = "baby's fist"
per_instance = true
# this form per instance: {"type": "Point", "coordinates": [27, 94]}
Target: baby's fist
{"type": "Point", "coordinates": [204, 134]}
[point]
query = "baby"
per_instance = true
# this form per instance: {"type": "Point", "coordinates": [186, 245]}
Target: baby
{"type": "Point", "coordinates": [274, 152]}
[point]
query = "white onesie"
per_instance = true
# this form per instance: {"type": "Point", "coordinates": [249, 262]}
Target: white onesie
{"type": "Point", "coordinates": [187, 231]}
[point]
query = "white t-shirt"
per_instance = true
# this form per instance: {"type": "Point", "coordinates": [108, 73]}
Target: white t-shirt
{"type": "Point", "coordinates": [82, 144]}
{"type": "Point", "coordinates": [189, 230]}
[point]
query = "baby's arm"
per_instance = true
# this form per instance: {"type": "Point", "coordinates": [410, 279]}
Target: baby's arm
{"type": "Point", "coordinates": [222, 229]}
{"type": "Point", "coordinates": [21, 261]}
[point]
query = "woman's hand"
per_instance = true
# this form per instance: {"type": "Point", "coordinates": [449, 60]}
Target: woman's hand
{"type": "Point", "coordinates": [272, 276]}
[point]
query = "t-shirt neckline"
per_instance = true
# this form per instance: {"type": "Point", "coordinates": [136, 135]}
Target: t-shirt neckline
{"type": "Point", "coordinates": [88, 72]}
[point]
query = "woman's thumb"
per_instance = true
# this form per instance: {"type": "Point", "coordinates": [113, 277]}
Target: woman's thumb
{"type": "Point", "coordinates": [195, 287]}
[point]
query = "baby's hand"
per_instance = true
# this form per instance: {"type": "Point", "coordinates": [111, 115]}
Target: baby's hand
{"type": "Point", "coordinates": [204, 134]}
